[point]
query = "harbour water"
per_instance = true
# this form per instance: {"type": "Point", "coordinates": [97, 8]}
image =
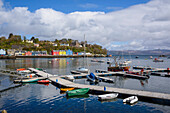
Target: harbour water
{"type": "Point", "coordinates": [36, 98]}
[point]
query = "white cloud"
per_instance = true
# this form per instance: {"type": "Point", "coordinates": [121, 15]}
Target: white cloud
{"type": "Point", "coordinates": [144, 26]}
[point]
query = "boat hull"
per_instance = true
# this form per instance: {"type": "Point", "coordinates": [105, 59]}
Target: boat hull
{"type": "Point", "coordinates": [77, 92]}
{"type": "Point", "coordinates": [107, 96]}
{"type": "Point", "coordinates": [115, 69]}
{"type": "Point", "coordinates": [27, 80]}
{"type": "Point", "coordinates": [43, 81]}
{"type": "Point", "coordinates": [66, 89]}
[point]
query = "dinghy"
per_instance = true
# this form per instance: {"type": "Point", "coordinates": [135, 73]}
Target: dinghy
{"type": "Point", "coordinates": [131, 100]}
{"type": "Point", "coordinates": [43, 81]}
{"type": "Point", "coordinates": [66, 89]}
{"type": "Point", "coordinates": [107, 96]}
{"type": "Point", "coordinates": [75, 92]}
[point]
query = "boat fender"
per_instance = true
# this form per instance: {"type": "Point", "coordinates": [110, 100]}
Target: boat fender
{"type": "Point", "coordinates": [104, 88]}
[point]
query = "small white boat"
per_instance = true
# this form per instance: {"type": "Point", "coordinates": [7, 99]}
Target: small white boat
{"type": "Point", "coordinates": [83, 70]}
{"type": "Point", "coordinates": [151, 57]}
{"type": "Point", "coordinates": [69, 77]}
{"type": "Point", "coordinates": [131, 100]}
{"type": "Point", "coordinates": [107, 96]}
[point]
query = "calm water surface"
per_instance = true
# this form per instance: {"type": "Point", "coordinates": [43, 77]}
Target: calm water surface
{"type": "Point", "coordinates": [37, 98]}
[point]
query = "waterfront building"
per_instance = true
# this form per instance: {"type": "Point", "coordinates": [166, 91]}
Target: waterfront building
{"type": "Point", "coordinates": [11, 52]}
{"type": "Point", "coordinates": [19, 53]}
{"type": "Point", "coordinates": [2, 52]}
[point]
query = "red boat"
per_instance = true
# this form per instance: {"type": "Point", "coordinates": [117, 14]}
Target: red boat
{"type": "Point", "coordinates": [43, 81]}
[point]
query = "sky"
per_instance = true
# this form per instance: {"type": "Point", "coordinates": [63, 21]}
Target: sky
{"type": "Point", "coordinates": [114, 24]}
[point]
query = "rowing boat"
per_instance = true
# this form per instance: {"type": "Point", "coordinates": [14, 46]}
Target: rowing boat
{"type": "Point", "coordinates": [81, 91]}
{"type": "Point", "coordinates": [107, 96]}
{"type": "Point", "coordinates": [66, 89]}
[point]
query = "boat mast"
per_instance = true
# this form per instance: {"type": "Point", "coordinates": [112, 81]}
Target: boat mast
{"type": "Point", "coordinates": [84, 50]}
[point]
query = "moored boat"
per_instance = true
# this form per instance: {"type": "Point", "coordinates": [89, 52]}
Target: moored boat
{"type": "Point", "coordinates": [43, 81]}
{"type": "Point", "coordinates": [93, 78]}
{"type": "Point", "coordinates": [118, 66]}
{"type": "Point", "coordinates": [69, 77]}
{"type": "Point", "coordinates": [21, 69]}
{"type": "Point", "coordinates": [107, 96]}
{"type": "Point", "coordinates": [131, 100]}
{"type": "Point", "coordinates": [158, 60]}
{"type": "Point", "coordinates": [66, 89]}
{"type": "Point", "coordinates": [75, 92]}
{"type": "Point", "coordinates": [27, 80]}
{"type": "Point", "coordinates": [80, 70]}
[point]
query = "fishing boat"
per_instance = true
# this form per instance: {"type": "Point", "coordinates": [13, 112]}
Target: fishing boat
{"type": "Point", "coordinates": [75, 92]}
{"type": "Point", "coordinates": [107, 96]}
{"type": "Point", "coordinates": [118, 66]}
{"type": "Point", "coordinates": [43, 81]}
{"type": "Point", "coordinates": [158, 60]}
{"type": "Point", "coordinates": [27, 80]}
{"type": "Point", "coordinates": [93, 78]}
{"type": "Point", "coordinates": [66, 89]}
{"type": "Point", "coordinates": [131, 100]}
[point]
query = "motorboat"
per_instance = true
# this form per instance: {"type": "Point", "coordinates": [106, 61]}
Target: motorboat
{"type": "Point", "coordinates": [69, 77]}
{"type": "Point", "coordinates": [93, 78]}
{"type": "Point", "coordinates": [107, 96]}
{"type": "Point", "coordinates": [130, 100]}
{"type": "Point", "coordinates": [80, 70]}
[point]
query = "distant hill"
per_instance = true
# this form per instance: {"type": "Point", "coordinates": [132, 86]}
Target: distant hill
{"type": "Point", "coordinates": [141, 52]}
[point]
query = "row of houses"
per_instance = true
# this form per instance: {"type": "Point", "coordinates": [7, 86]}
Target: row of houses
{"type": "Point", "coordinates": [62, 52]}
{"type": "Point", "coordinates": [12, 52]}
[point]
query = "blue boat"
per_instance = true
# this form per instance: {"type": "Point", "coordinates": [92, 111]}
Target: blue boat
{"type": "Point", "coordinates": [93, 78]}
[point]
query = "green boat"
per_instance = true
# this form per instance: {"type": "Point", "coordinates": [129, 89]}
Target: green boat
{"type": "Point", "coordinates": [77, 92]}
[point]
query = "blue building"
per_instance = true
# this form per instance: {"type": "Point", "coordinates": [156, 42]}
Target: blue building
{"type": "Point", "coordinates": [69, 52]}
{"type": "Point", "coordinates": [2, 52]}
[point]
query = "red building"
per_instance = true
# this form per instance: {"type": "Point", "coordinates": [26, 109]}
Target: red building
{"type": "Point", "coordinates": [28, 53]}
{"type": "Point", "coordinates": [55, 52]}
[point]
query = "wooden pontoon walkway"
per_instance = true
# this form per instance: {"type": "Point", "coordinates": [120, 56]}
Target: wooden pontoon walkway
{"type": "Point", "coordinates": [66, 83]}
